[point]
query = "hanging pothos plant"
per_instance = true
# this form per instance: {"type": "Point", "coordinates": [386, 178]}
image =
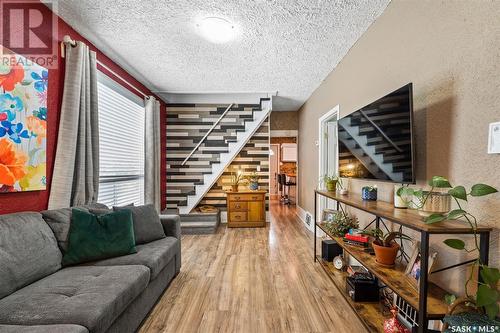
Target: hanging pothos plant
{"type": "Point", "coordinates": [487, 295]}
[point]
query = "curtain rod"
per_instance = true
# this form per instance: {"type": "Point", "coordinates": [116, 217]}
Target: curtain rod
{"type": "Point", "coordinates": [67, 40]}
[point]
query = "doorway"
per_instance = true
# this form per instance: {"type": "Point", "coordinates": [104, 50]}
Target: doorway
{"type": "Point", "coordinates": [274, 158]}
{"type": "Point", "coordinates": [328, 150]}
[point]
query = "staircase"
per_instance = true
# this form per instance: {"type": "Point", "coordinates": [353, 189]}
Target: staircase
{"type": "Point", "coordinates": [380, 141]}
{"type": "Point", "coordinates": [195, 159]}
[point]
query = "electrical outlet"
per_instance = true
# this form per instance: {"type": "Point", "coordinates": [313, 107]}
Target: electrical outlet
{"type": "Point", "coordinates": [494, 139]}
{"type": "Point", "coordinates": [308, 219]}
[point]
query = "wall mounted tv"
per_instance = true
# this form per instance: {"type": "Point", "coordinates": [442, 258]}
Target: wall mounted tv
{"type": "Point", "coordinates": [376, 141]}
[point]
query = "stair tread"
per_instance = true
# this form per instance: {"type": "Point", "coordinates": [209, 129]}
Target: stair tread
{"type": "Point", "coordinates": [198, 224]}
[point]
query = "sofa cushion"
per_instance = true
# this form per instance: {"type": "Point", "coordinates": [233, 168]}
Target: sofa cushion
{"type": "Point", "coordinates": [154, 255]}
{"type": "Point", "coordinates": [94, 237]}
{"type": "Point", "coordinates": [28, 251]}
{"type": "Point", "coordinates": [147, 225]}
{"type": "Point", "coordinates": [43, 329]}
{"type": "Point", "coordinates": [59, 221]}
{"type": "Point", "coordinates": [89, 296]}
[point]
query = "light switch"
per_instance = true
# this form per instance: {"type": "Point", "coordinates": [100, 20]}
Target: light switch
{"type": "Point", "coordinates": [494, 139]}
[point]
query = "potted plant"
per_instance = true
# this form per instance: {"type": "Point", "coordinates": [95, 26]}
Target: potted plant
{"type": "Point", "coordinates": [330, 182]}
{"type": "Point", "coordinates": [342, 188]}
{"type": "Point", "coordinates": [487, 295]}
{"type": "Point", "coordinates": [342, 224]}
{"type": "Point", "coordinates": [253, 181]}
{"type": "Point", "coordinates": [385, 246]}
{"type": "Point", "coordinates": [428, 202]}
{"type": "Point", "coordinates": [236, 179]}
{"type": "Point", "coordinates": [369, 193]}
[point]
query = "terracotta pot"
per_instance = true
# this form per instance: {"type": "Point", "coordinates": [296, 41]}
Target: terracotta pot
{"type": "Point", "coordinates": [386, 255]}
{"type": "Point", "coordinates": [234, 188]}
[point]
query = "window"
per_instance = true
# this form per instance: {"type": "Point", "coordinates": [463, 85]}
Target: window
{"type": "Point", "coordinates": [121, 146]}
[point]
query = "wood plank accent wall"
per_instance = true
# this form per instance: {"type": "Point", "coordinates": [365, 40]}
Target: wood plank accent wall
{"type": "Point", "coordinates": [186, 124]}
{"type": "Point", "coordinates": [255, 154]}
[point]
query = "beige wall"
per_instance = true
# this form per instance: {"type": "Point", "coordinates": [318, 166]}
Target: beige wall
{"type": "Point", "coordinates": [284, 120]}
{"type": "Point", "coordinates": [450, 50]}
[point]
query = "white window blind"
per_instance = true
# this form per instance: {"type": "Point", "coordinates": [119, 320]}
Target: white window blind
{"type": "Point", "coordinates": [121, 144]}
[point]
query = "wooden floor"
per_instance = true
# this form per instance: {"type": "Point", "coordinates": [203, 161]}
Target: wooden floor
{"type": "Point", "coordinates": [252, 280]}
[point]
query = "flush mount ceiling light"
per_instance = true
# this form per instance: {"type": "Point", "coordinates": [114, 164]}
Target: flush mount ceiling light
{"type": "Point", "coordinates": [216, 30]}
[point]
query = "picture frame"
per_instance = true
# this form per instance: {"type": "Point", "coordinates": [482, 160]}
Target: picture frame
{"type": "Point", "coordinates": [412, 271]}
{"type": "Point", "coordinates": [329, 215]}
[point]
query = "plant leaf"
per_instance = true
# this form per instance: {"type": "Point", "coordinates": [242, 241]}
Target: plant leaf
{"type": "Point", "coordinates": [418, 194]}
{"type": "Point", "coordinates": [490, 275]}
{"type": "Point", "coordinates": [479, 190]}
{"type": "Point", "coordinates": [450, 299]}
{"type": "Point", "coordinates": [456, 244]}
{"type": "Point", "coordinates": [455, 214]}
{"type": "Point", "coordinates": [491, 310]}
{"type": "Point", "coordinates": [486, 295]}
{"type": "Point", "coordinates": [440, 182]}
{"type": "Point", "coordinates": [434, 218]}
{"type": "Point", "coordinates": [458, 192]}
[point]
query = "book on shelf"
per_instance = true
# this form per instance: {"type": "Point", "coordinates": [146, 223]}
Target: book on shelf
{"type": "Point", "coordinates": [357, 238]}
{"type": "Point", "coordinates": [355, 243]}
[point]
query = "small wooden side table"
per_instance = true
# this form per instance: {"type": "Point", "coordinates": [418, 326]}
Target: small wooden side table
{"type": "Point", "coordinates": [246, 208]}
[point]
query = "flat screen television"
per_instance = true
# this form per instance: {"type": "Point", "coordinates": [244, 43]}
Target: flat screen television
{"type": "Point", "coordinates": [376, 141]}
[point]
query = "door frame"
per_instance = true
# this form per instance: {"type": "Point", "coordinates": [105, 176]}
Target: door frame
{"type": "Point", "coordinates": [277, 164]}
{"type": "Point", "coordinates": [333, 114]}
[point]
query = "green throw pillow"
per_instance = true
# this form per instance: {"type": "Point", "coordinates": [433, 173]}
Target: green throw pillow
{"type": "Point", "coordinates": [93, 237]}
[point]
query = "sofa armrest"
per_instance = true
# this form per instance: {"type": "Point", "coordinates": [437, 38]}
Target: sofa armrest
{"type": "Point", "coordinates": [171, 225]}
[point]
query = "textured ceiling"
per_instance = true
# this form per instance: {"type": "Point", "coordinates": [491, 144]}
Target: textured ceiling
{"type": "Point", "coordinates": [285, 46]}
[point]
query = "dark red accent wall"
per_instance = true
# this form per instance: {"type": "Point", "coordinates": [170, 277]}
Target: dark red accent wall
{"type": "Point", "coordinates": [37, 200]}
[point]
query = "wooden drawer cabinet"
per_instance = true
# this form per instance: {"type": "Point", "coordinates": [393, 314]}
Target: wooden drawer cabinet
{"type": "Point", "coordinates": [246, 209]}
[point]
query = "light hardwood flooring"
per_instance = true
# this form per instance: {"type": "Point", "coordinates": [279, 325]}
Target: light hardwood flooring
{"type": "Point", "coordinates": [252, 280]}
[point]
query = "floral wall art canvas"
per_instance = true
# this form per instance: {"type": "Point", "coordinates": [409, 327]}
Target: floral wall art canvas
{"type": "Point", "coordinates": [23, 124]}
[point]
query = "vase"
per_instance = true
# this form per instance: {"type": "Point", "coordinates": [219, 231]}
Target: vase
{"type": "Point", "coordinates": [234, 188]}
{"type": "Point", "coordinates": [331, 186]}
{"type": "Point", "coordinates": [367, 194]}
{"type": "Point", "coordinates": [399, 201]}
{"type": "Point", "coordinates": [384, 255]}
{"type": "Point", "coordinates": [253, 186]}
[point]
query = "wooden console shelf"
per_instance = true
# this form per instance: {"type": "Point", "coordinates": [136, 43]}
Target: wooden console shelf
{"type": "Point", "coordinates": [428, 300]}
{"type": "Point", "coordinates": [396, 279]}
{"type": "Point", "coordinates": [406, 217]}
{"type": "Point", "coordinates": [369, 313]}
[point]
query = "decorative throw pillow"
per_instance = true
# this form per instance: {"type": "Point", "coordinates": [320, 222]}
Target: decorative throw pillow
{"type": "Point", "coordinates": [93, 237]}
{"type": "Point", "coordinates": [147, 224]}
{"type": "Point", "coordinates": [59, 220]}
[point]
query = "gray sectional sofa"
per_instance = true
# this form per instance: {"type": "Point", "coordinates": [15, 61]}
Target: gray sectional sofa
{"type": "Point", "coordinates": [37, 295]}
